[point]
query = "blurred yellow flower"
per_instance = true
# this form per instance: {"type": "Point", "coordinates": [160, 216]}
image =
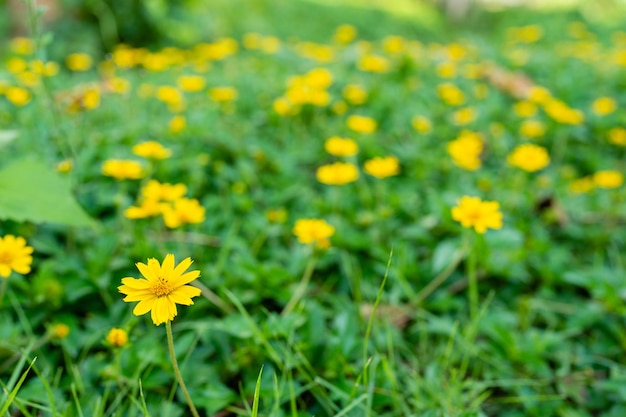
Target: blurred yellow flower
{"type": "Point", "coordinates": [532, 129]}
{"type": "Point", "coordinates": [222, 94]}
{"type": "Point", "coordinates": [562, 113]}
{"type": "Point", "coordinates": [117, 337]}
{"type": "Point", "coordinates": [60, 330]}
{"type": "Point", "coordinates": [318, 78]}
{"type": "Point", "coordinates": [183, 211]}
{"type": "Point", "coordinates": [341, 146]}
{"type": "Point", "coordinates": [525, 34]}
{"type": "Point", "coordinates": [15, 255]}
{"type": "Point", "coordinates": [450, 94]}
{"type": "Point", "coordinates": [191, 83]}
{"type": "Point", "coordinates": [338, 173]}
{"type": "Point", "coordinates": [373, 63]}
{"type": "Point", "coordinates": [122, 169]}
{"type": "Point", "coordinates": [421, 124]}
{"type": "Point", "coordinates": [16, 65]}
{"type": "Point", "coordinates": [151, 150]}
{"type": "Point", "coordinates": [617, 136]}
{"type": "Point", "coordinates": [446, 70]}
{"type": "Point", "coordinates": [603, 106]}
{"type": "Point", "coordinates": [340, 107]}
{"type": "Point", "coordinates": [284, 107]}
{"type": "Point", "coordinates": [382, 167]}
{"type": "Point", "coordinates": [393, 44]}
{"type": "Point", "coordinates": [169, 95]}
{"type": "Point", "coordinates": [22, 46]}
{"type": "Point", "coordinates": [162, 287]}
{"type": "Point", "coordinates": [529, 157]}
{"type": "Point", "coordinates": [345, 34]}
{"type": "Point", "coordinates": [481, 215]}
{"type": "Point", "coordinates": [157, 191]}
{"type": "Point", "coordinates": [466, 150]}
{"type": "Point", "coordinates": [313, 231]}
{"type": "Point", "coordinates": [581, 185]}
{"type": "Point", "coordinates": [276, 215]}
{"type": "Point", "coordinates": [65, 166]}
{"type": "Point", "coordinates": [78, 62]}
{"type": "Point", "coordinates": [355, 94]}
{"type": "Point", "coordinates": [147, 208]}
{"type": "Point", "coordinates": [177, 124]}
{"type": "Point", "coordinates": [608, 179]}
{"type": "Point", "coordinates": [361, 124]}
{"type": "Point", "coordinates": [464, 116]}
{"type": "Point", "coordinates": [18, 96]}
{"type": "Point", "coordinates": [525, 108]}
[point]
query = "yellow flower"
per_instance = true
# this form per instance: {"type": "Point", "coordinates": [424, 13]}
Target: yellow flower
{"type": "Point", "coordinates": [121, 169]}
{"type": "Point", "coordinates": [345, 34]}
{"type": "Point", "coordinates": [60, 330]}
{"type": "Point", "coordinates": [276, 215]}
{"type": "Point", "coordinates": [529, 157]}
{"type": "Point", "coordinates": [421, 124]}
{"type": "Point", "coordinates": [183, 210]}
{"type": "Point", "coordinates": [117, 337]}
{"type": "Point", "coordinates": [608, 179]}
{"type": "Point", "coordinates": [151, 150]}
{"type": "Point", "coordinates": [340, 107]}
{"type": "Point", "coordinates": [338, 173]}
{"type": "Point", "coordinates": [162, 287]}
{"type": "Point", "coordinates": [191, 83]}
{"type": "Point", "coordinates": [222, 94]}
{"type": "Point", "coordinates": [270, 44]}
{"type": "Point", "coordinates": [155, 190]}
{"type": "Point", "coordinates": [604, 106]}
{"type": "Point", "coordinates": [147, 208]}
{"type": "Point", "coordinates": [169, 95]}
{"type": "Point", "coordinates": [16, 65]}
{"type": "Point", "coordinates": [78, 62]}
{"type": "Point", "coordinates": [361, 124]}
{"type": "Point", "coordinates": [177, 124]}
{"type": "Point", "coordinates": [283, 107]}
{"type": "Point", "coordinates": [118, 85]}
{"type": "Point", "coordinates": [446, 70]}
{"type": "Point", "coordinates": [382, 167]}
{"type": "Point", "coordinates": [464, 116]}
{"type": "Point", "coordinates": [532, 129]}
{"type": "Point", "coordinates": [525, 108]}
{"type": "Point", "coordinates": [393, 44]}
{"type": "Point", "coordinates": [466, 150]}
{"type": "Point", "coordinates": [22, 46]}
{"type": "Point", "coordinates": [91, 98]}
{"type": "Point", "coordinates": [481, 215]}
{"type": "Point", "coordinates": [450, 94]}
{"type": "Point", "coordinates": [316, 231]}
{"type": "Point", "coordinates": [355, 94]}
{"type": "Point", "coordinates": [582, 185]}
{"type": "Point", "coordinates": [252, 40]}
{"type": "Point", "coordinates": [341, 146]}
{"type": "Point", "coordinates": [562, 113]}
{"type": "Point", "coordinates": [373, 63]}
{"type": "Point", "coordinates": [526, 34]}
{"type": "Point", "coordinates": [617, 136]}
{"type": "Point", "coordinates": [65, 166]}
{"type": "Point", "coordinates": [14, 255]}
{"type": "Point", "coordinates": [318, 78]}
{"type": "Point", "coordinates": [18, 96]}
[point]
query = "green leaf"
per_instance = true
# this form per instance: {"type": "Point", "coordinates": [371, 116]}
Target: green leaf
{"type": "Point", "coordinates": [30, 191]}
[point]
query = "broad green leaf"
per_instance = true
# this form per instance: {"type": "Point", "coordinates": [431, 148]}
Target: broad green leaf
{"type": "Point", "coordinates": [30, 191]}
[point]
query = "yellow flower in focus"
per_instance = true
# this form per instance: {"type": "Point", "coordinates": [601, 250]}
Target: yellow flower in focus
{"type": "Point", "coordinates": [529, 157]}
{"type": "Point", "coordinates": [22, 46]}
{"type": "Point", "coordinates": [481, 215]}
{"type": "Point", "coordinates": [345, 34]}
{"type": "Point", "coordinates": [183, 211]}
{"type": "Point", "coordinates": [361, 124]}
{"type": "Point", "coordinates": [525, 108]}
{"type": "Point", "coordinates": [581, 185]}
{"type": "Point", "coordinates": [604, 106]}
{"type": "Point", "coordinates": [121, 169]}
{"type": "Point", "coordinates": [313, 231]}
{"type": "Point", "coordinates": [466, 150]}
{"type": "Point", "coordinates": [18, 96]}
{"type": "Point", "coordinates": [464, 116]}
{"type": "Point", "coordinates": [191, 83]}
{"type": "Point", "coordinates": [421, 124]}
{"type": "Point", "coordinates": [65, 166]}
{"type": "Point", "coordinates": [617, 136]}
{"type": "Point", "coordinates": [338, 173]}
{"type": "Point", "coordinates": [117, 337]}
{"type": "Point", "coordinates": [162, 287]}
{"type": "Point", "coordinates": [60, 330]}
{"type": "Point", "coordinates": [341, 146]}
{"type": "Point", "coordinates": [382, 167]}
{"type": "Point", "coordinates": [78, 62]}
{"type": "Point", "coordinates": [222, 94]}
{"type": "Point", "coordinates": [151, 150]}
{"type": "Point", "coordinates": [355, 94]}
{"type": "Point", "coordinates": [532, 129]}
{"type": "Point", "coordinates": [177, 124]}
{"type": "Point", "coordinates": [14, 255]}
{"type": "Point", "coordinates": [373, 63]}
{"type": "Point", "coordinates": [608, 179]}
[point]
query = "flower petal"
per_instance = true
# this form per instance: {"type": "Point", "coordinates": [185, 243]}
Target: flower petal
{"type": "Point", "coordinates": [144, 306]}
{"type": "Point", "coordinates": [167, 267]}
{"type": "Point", "coordinates": [182, 266]}
{"type": "Point", "coordinates": [140, 284]}
{"type": "Point", "coordinates": [180, 297]}
{"type": "Point", "coordinates": [187, 291]}
{"type": "Point", "coordinates": [186, 278]}
{"type": "Point", "coordinates": [147, 271]}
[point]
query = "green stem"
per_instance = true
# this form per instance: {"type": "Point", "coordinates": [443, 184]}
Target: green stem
{"type": "Point", "coordinates": [300, 290]}
{"type": "Point", "coordinates": [3, 289]}
{"type": "Point", "coordinates": [179, 377]}
{"type": "Point", "coordinates": [472, 280]}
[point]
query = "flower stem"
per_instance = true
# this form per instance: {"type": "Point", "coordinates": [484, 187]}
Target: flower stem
{"type": "Point", "coordinates": [472, 280]}
{"type": "Point", "coordinates": [3, 289]}
{"type": "Point", "coordinates": [179, 377]}
{"type": "Point", "coordinates": [304, 282]}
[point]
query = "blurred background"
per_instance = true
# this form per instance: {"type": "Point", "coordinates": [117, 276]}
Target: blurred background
{"type": "Point", "coordinates": [98, 25]}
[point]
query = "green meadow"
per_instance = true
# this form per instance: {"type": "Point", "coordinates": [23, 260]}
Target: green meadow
{"type": "Point", "coordinates": [291, 208]}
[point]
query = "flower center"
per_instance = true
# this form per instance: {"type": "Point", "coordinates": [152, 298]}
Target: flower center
{"type": "Point", "coordinates": [6, 257]}
{"type": "Point", "coordinates": [162, 287]}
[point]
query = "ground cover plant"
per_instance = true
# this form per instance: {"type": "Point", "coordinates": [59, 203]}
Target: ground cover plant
{"type": "Point", "coordinates": [358, 219]}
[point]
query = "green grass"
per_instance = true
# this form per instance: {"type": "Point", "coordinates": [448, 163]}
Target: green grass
{"type": "Point", "coordinates": [379, 323]}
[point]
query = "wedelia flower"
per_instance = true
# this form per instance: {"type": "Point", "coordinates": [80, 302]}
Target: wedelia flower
{"type": "Point", "coordinates": [382, 167]}
{"type": "Point", "coordinates": [316, 231]}
{"type": "Point", "coordinates": [339, 173]}
{"type": "Point", "coordinates": [481, 215]}
{"type": "Point", "coordinates": [14, 256]}
{"type": "Point", "coordinates": [529, 157]}
{"type": "Point", "coordinates": [162, 287]}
